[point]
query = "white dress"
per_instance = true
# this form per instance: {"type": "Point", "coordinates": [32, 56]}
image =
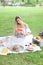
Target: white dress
{"type": "Point", "coordinates": [10, 41]}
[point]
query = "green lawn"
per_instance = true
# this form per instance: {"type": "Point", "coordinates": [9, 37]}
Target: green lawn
{"type": "Point", "coordinates": [33, 16]}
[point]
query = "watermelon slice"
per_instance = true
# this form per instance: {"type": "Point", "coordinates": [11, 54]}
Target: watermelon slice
{"type": "Point", "coordinates": [19, 30]}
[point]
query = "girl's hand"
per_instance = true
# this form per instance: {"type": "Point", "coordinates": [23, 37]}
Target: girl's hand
{"type": "Point", "coordinates": [1, 43]}
{"type": "Point", "coordinates": [28, 33]}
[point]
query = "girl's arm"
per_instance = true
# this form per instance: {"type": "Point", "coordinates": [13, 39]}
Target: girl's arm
{"type": "Point", "coordinates": [1, 43]}
{"type": "Point", "coordinates": [28, 31]}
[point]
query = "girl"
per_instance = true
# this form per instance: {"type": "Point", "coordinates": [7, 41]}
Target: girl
{"type": "Point", "coordinates": [22, 33]}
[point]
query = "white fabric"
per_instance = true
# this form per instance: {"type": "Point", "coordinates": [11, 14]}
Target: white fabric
{"type": "Point", "coordinates": [12, 40]}
{"type": "Point", "coordinates": [28, 30]}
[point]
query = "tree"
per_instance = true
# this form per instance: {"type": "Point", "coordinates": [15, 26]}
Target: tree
{"type": "Point", "coordinates": [37, 1]}
{"type": "Point", "coordinates": [22, 0]}
{"type": "Point", "coordinates": [28, 1]}
{"type": "Point", "coordinates": [2, 2]}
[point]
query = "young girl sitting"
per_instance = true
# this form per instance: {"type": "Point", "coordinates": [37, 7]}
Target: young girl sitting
{"type": "Point", "coordinates": [22, 32]}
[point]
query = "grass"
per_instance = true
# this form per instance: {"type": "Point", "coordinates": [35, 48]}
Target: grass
{"type": "Point", "coordinates": [22, 59]}
{"type": "Point", "coordinates": [33, 16]}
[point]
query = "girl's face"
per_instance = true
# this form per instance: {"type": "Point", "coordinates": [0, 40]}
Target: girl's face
{"type": "Point", "coordinates": [18, 21]}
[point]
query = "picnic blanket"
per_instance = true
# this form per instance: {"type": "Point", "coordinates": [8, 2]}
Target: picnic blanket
{"type": "Point", "coordinates": [10, 41]}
